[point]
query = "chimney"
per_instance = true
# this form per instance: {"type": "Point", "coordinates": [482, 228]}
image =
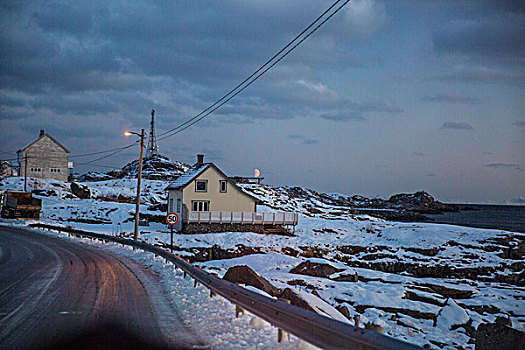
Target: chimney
{"type": "Point", "coordinates": [200, 159]}
{"type": "Point", "coordinates": [41, 133]}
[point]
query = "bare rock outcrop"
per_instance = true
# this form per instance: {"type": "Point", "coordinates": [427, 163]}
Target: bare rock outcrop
{"type": "Point", "coordinates": [499, 335]}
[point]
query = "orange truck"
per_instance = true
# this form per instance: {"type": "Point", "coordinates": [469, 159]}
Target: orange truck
{"type": "Point", "coordinates": [20, 205]}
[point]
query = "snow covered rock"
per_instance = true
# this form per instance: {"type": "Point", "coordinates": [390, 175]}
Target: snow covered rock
{"type": "Point", "coordinates": [376, 325]}
{"type": "Point", "coordinates": [245, 275]}
{"type": "Point", "coordinates": [295, 299]}
{"type": "Point", "coordinates": [157, 168]}
{"type": "Point", "coordinates": [309, 268]}
{"type": "Point", "coordinates": [451, 316]}
{"type": "Point", "coordinates": [80, 190]}
{"type": "Point", "coordinates": [94, 176]}
{"type": "Point", "coordinates": [259, 323]}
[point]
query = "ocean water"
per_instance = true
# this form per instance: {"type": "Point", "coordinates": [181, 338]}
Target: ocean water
{"type": "Point", "coordinates": [505, 217]}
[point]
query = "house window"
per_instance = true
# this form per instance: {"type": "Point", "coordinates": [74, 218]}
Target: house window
{"type": "Point", "coordinates": [223, 186]}
{"type": "Point", "coordinates": [171, 206]}
{"type": "Point", "coordinates": [201, 185]}
{"type": "Point", "coordinates": [178, 205]}
{"type": "Point", "coordinates": [54, 170]}
{"type": "Point", "coordinates": [200, 205]}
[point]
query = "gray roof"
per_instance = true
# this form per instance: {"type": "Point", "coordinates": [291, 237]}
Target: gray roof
{"type": "Point", "coordinates": [183, 180]}
{"type": "Point", "coordinates": [52, 139]}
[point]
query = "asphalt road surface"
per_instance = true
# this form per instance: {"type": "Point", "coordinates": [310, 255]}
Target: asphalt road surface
{"type": "Point", "coordinates": [57, 293]}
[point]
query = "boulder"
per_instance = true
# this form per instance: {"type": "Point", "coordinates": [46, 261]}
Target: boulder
{"type": "Point", "coordinates": [309, 268]}
{"type": "Point", "coordinates": [244, 275]}
{"type": "Point", "coordinates": [344, 310]}
{"type": "Point", "coordinates": [44, 192]}
{"type": "Point", "coordinates": [295, 299]}
{"type": "Point", "coordinates": [80, 190]}
{"type": "Point", "coordinates": [499, 335]}
{"type": "Point", "coordinates": [451, 316]}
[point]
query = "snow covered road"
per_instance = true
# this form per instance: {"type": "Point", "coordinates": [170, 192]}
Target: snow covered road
{"type": "Point", "coordinates": [54, 291]}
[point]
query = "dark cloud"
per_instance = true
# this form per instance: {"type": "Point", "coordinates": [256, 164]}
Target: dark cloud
{"type": "Point", "coordinates": [495, 38]}
{"type": "Point", "coordinates": [92, 57]}
{"type": "Point", "coordinates": [431, 175]}
{"type": "Point", "coordinates": [64, 18]}
{"type": "Point", "coordinates": [482, 74]}
{"type": "Point", "coordinates": [488, 153]}
{"type": "Point", "coordinates": [453, 99]}
{"type": "Point", "coordinates": [456, 126]}
{"type": "Point", "coordinates": [310, 142]}
{"type": "Point", "coordinates": [519, 123]}
{"type": "Point", "coordinates": [503, 166]}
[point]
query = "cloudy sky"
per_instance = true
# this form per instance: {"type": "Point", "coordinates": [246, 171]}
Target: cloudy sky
{"type": "Point", "coordinates": [387, 97]}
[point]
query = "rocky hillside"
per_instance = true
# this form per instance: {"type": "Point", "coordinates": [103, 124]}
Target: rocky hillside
{"type": "Point", "coordinates": [399, 207]}
{"type": "Point", "coordinates": [157, 167]}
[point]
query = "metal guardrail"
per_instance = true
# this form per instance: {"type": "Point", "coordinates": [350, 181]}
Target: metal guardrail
{"type": "Point", "coordinates": [316, 329]}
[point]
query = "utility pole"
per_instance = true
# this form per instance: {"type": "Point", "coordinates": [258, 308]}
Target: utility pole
{"type": "Point", "coordinates": [139, 178]}
{"type": "Point", "coordinates": [25, 172]}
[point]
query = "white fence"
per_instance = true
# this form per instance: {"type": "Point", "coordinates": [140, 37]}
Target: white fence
{"type": "Point", "coordinates": [244, 218]}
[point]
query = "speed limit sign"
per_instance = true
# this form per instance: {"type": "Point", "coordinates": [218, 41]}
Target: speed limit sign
{"type": "Point", "coordinates": [172, 218]}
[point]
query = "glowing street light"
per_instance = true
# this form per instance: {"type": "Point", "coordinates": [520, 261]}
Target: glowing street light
{"type": "Point", "coordinates": [139, 178]}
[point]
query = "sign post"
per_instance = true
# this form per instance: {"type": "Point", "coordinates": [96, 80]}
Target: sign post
{"type": "Point", "coordinates": [172, 219]}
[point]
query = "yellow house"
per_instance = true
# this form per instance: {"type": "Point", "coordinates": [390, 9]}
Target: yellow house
{"type": "Point", "coordinates": [204, 188]}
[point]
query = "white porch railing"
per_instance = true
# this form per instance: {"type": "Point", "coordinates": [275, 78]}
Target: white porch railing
{"type": "Point", "coordinates": [243, 218]}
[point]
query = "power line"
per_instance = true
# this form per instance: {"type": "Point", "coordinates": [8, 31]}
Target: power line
{"type": "Point", "coordinates": [104, 166]}
{"type": "Point", "coordinates": [109, 155]}
{"type": "Point", "coordinates": [102, 152]}
{"type": "Point", "coordinates": [254, 73]}
{"type": "Point", "coordinates": [204, 114]}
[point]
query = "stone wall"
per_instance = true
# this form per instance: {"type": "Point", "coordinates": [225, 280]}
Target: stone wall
{"type": "Point", "coordinates": [195, 228]}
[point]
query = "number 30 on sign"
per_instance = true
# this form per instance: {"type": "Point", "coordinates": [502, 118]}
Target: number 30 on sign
{"type": "Point", "coordinates": [172, 218]}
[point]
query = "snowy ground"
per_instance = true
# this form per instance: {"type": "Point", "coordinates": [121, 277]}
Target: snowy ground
{"type": "Point", "coordinates": [428, 284]}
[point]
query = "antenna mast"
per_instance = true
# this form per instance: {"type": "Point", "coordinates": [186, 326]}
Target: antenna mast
{"type": "Point", "coordinates": [152, 148]}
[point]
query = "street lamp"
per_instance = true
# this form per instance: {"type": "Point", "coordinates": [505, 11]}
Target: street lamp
{"type": "Point", "coordinates": [139, 178]}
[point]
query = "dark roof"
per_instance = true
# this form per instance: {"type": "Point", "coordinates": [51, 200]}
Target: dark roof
{"type": "Point", "coordinates": [196, 170]}
{"type": "Point", "coordinates": [183, 180]}
{"type": "Point", "coordinates": [52, 139]}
